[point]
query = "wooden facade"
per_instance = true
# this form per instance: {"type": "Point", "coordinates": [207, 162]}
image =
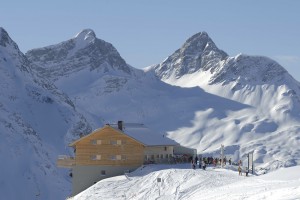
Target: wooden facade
{"type": "Point", "coordinates": [108, 146]}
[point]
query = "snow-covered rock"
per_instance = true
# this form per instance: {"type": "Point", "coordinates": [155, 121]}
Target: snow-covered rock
{"type": "Point", "coordinates": [198, 53]}
{"type": "Point", "coordinates": [83, 52]}
{"type": "Point", "coordinates": [37, 121]}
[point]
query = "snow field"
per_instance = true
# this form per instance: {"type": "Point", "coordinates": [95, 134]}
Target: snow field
{"type": "Point", "coordinates": [181, 182]}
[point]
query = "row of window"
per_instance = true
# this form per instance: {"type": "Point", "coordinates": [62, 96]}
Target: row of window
{"type": "Point", "coordinates": [123, 157]}
{"type": "Point", "coordinates": [157, 156]}
{"type": "Point", "coordinates": [112, 142]}
{"type": "Point", "coordinates": [111, 157]}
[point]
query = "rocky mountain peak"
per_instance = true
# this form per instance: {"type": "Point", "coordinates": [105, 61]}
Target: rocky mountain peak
{"type": "Point", "coordinates": [198, 52]}
{"type": "Point", "coordinates": [9, 50]}
{"type": "Point", "coordinates": [83, 52]}
{"type": "Point", "coordinates": [5, 40]}
{"type": "Point", "coordinates": [199, 42]}
{"type": "Point", "coordinates": [85, 35]}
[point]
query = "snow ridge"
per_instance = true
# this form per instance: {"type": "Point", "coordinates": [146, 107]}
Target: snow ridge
{"type": "Point", "coordinates": [37, 121]}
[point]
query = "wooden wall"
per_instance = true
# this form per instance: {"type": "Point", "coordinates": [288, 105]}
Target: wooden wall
{"type": "Point", "coordinates": [87, 149]}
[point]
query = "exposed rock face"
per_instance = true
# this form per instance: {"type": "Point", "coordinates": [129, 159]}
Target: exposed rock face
{"type": "Point", "coordinates": [84, 51]}
{"type": "Point", "coordinates": [198, 53]}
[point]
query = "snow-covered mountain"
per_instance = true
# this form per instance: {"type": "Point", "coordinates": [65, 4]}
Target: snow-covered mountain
{"type": "Point", "coordinates": [253, 80]}
{"type": "Point", "coordinates": [36, 123]}
{"type": "Point", "coordinates": [272, 130]}
{"type": "Point", "coordinates": [114, 93]}
{"type": "Point", "coordinates": [249, 104]}
{"type": "Point", "coordinates": [83, 52]}
{"type": "Point", "coordinates": [252, 104]}
{"type": "Point", "coordinates": [198, 53]}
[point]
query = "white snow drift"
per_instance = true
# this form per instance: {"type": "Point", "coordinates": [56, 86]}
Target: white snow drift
{"type": "Point", "coordinates": [181, 182]}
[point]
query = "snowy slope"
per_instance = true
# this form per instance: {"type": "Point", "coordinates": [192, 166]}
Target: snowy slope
{"type": "Point", "coordinates": [253, 80]}
{"type": "Point", "coordinates": [54, 93]}
{"type": "Point", "coordinates": [249, 104]}
{"type": "Point", "coordinates": [37, 121]}
{"type": "Point", "coordinates": [181, 182]}
{"type": "Point", "coordinates": [270, 129]}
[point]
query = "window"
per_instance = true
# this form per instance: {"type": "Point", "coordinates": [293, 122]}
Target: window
{"type": "Point", "coordinates": [167, 155]}
{"type": "Point", "coordinates": [113, 142]}
{"type": "Point", "coordinates": [161, 156]}
{"type": "Point", "coordinates": [96, 157]}
{"type": "Point", "coordinates": [157, 156]}
{"type": "Point", "coordinates": [165, 148]}
{"type": "Point", "coordinates": [118, 157]}
{"type": "Point", "coordinates": [113, 157]}
{"type": "Point", "coordinates": [103, 172]}
{"type": "Point", "coordinates": [118, 142]}
{"type": "Point", "coordinates": [96, 142]}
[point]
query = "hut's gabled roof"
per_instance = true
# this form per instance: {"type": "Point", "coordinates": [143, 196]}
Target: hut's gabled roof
{"type": "Point", "coordinates": [146, 136]}
{"type": "Point", "coordinates": [138, 132]}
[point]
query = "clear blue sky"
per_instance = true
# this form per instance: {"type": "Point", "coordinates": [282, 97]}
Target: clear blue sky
{"type": "Point", "coordinates": [146, 32]}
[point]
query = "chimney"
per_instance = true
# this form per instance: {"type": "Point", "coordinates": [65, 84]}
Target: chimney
{"type": "Point", "coordinates": [120, 125]}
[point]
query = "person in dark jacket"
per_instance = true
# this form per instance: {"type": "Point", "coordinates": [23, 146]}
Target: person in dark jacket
{"type": "Point", "coordinates": [193, 164]}
{"type": "Point", "coordinates": [200, 163]}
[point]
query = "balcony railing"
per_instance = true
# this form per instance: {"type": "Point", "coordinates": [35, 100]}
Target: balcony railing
{"type": "Point", "coordinates": [65, 161]}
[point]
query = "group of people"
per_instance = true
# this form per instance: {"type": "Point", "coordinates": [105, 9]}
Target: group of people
{"type": "Point", "coordinates": [204, 161]}
{"type": "Point", "coordinates": [201, 162]}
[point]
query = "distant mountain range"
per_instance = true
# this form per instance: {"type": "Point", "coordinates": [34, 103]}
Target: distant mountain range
{"type": "Point", "coordinates": [199, 95]}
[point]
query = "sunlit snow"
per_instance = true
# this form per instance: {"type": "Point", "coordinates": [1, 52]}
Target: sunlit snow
{"type": "Point", "coordinates": [180, 182]}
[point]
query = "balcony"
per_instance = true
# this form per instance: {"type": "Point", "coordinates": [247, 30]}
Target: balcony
{"type": "Point", "coordinates": [65, 161]}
